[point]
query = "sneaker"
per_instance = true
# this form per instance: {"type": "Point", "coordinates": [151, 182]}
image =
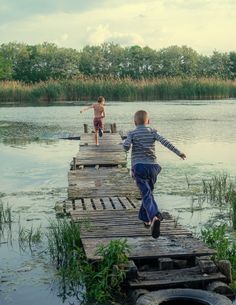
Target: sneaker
{"type": "Point", "coordinates": [100, 132]}
{"type": "Point", "coordinates": [155, 228]}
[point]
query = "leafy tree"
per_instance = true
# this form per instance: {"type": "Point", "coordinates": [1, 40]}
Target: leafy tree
{"type": "Point", "coordinates": [219, 65]}
{"type": "Point", "coordinates": [176, 61]}
{"type": "Point", "coordinates": [5, 69]}
{"type": "Point", "coordinates": [232, 56]}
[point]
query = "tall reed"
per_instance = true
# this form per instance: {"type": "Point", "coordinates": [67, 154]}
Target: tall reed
{"type": "Point", "coordinates": [5, 214]}
{"type": "Point", "coordinates": [117, 89]}
{"type": "Point", "coordinates": [219, 189]}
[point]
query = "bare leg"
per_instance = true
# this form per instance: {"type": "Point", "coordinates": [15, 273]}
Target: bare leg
{"type": "Point", "coordinates": [96, 137]}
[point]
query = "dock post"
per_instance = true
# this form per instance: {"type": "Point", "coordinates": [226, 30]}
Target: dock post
{"type": "Point", "coordinates": [113, 128]}
{"type": "Point", "coordinates": [74, 163]}
{"type": "Point", "coordinates": [85, 128]}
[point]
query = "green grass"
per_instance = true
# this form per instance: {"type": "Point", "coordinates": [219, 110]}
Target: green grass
{"type": "Point", "coordinates": [216, 238]}
{"type": "Point", "coordinates": [219, 189]}
{"type": "Point", "coordinates": [5, 214]}
{"type": "Point", "coordinates": [65, 248]}
{"type": "Point", "coordinates": [29, 237]}
{"type": "Point", "coordinates": [117, 89]}
{"type": "Point", "coordinates": [233, 202]}
{"type": "Point", "coordinates": [106, 278]}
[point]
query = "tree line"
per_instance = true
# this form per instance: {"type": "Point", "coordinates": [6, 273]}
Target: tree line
{"type": "Point", "coordinates": [47, 61]}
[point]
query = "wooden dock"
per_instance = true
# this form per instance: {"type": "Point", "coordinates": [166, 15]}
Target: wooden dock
{"type": "Point", "coordinates": [102, 193]}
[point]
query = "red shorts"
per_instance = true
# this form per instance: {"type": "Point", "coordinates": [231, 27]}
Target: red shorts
{"type": "Point", "coordinates": [97, 122]}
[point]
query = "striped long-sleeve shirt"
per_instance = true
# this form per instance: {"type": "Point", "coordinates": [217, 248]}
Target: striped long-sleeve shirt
{"type": "Point", "coordinates": [142, 139]}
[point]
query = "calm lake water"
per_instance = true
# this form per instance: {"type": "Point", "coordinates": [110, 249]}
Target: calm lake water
{"type": "Point", "coordinates": [35, 161]}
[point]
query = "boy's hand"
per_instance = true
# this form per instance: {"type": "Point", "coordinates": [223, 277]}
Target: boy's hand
{"type": "Point", "coordinates": [182, 156]}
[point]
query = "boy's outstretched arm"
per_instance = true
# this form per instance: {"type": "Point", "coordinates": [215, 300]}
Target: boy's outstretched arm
{"type": "Point", "coordinates": [87, 108]}
{"type": "Point", "coordinates": [170, 146]}
{"type": "Point", "coordinates": [127, 142]}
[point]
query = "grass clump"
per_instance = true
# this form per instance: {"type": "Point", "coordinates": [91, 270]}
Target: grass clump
{"type": "Point", "coordinates": [99, 278]}
{"type": "Point", "coordinates": [65, 249]}
{"type": "Point", "coordinates": [5, 214]}
{"type": "Point", "coordinates": [29, 236]}
{"type": "Point", "coordinates": [217, 239]}
{"type": "Point", "coordinates": [219, 189]}
{"type": "Point", "coordinates": [110, 271]}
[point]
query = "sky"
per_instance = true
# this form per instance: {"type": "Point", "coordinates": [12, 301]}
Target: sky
{"type": "Point", "coordinates": [204, 25]}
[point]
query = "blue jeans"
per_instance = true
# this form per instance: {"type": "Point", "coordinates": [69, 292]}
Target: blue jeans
{"type": "Point", "coordinates": [145, 176]}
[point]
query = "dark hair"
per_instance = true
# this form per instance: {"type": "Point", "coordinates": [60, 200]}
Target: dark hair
{"type": "Point", "coordinates": [100, 99]}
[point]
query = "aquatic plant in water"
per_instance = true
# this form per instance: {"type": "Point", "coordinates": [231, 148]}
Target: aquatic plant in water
{"type": "Point", "coordinates": [219, 189]}
{"type": "Point", "coordinates": [5, 214]}
{"type": "Point", "coordinates": [29, 236]}
{"type": "Point", "coordinates": [65, 248]}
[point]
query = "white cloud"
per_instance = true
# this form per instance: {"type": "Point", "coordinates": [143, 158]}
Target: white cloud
{"type": "Point", "coordinates": [205, 25]}
{"type": "Point", "coordinates": [99, 34]}
{"type": "Point", "coordinates": [103, 33]}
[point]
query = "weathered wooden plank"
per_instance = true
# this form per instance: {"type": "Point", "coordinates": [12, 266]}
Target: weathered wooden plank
{"type": "Point", "coordinates": [102, 182]}
{"type": "Point", "coordinates": [116, 203]}
{"type": "Point", "coordinates": [119, 214]}
{"type": "Point", "coordinates": [126, 203]}
{"type": "Point", "coordinates": [129, 230]}
{"type": "Point", "coordinates": [88, 204]}
{"type": "Point", "coordinates": [107, 203]}
{"type": "Point", "coordinates": [98, 204]}
{"type": "Point", "coordinates": [100, 154]}
{"type": "Point", "coordinates": [149, 248]}
{"type": "Point", "coordinates": [101, 148]}
{"type": "Point", "coordinates": [162, 279]}
{"type": "Point", "coordinates": [135, 202]}
{"type": "Point", "coordinates": [78, 205]}
{"type": "Point", "coordinates": [89, 138]}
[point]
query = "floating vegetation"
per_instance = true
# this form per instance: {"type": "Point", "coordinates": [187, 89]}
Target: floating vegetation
{"type": "Point", "coordinates": [66, 251]}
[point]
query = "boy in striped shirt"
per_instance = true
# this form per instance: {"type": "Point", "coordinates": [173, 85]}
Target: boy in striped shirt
{"type": "Point", "coordinates": [145, 167]}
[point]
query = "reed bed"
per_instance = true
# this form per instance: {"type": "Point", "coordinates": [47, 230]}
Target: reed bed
{"type": "Point", "coordinates": [117, 90]}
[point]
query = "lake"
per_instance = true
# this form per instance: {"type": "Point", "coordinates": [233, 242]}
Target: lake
{"type": "Point", "coordinates": [35, 161]}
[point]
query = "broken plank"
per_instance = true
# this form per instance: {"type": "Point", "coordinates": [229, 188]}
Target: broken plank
{"type": "Point", "coordinates": [162, 279]}
{"type": "Point", "coordinates": [149, 248]}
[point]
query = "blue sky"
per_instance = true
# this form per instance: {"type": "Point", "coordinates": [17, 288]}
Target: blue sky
{"type": "Point", "coordinates": [204, 25]}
